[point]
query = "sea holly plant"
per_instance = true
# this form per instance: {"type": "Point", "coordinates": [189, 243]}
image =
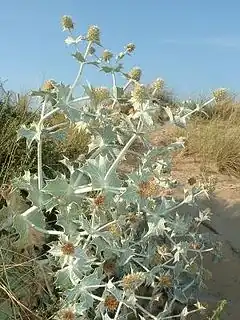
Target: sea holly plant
{"type": "Point", "coordinates": [120, 246]}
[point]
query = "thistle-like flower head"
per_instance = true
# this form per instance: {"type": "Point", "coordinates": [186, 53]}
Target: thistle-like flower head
{"type": "Point", "coordinates": [130, 47]}
{"type": "Point", "coordinates": [93, 34]}
{"type": "Point", "coordinates": [67, 23]}
{"type": "Point", "coordinates": [107, 55]}
{"type": "Point", "coordinates": [135, 74]}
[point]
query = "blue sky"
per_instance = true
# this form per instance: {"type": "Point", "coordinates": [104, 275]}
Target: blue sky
{"type": "Point", "coordinates": [193, 45]}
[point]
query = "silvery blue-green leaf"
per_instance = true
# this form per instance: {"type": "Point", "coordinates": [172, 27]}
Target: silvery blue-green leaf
{"type": "Point", "coordinates": [180, 296]}
{"type": "Point", "coordinates": [178, 269]}
{"type": "Point", "coordinates": [29, 183]}
{"type": "Point", "coordinates": [120, 56]}
{"type": "Point", "coordinates": [58, 187]}
{"type": "Point", "coordinates": [37, 197]}
{"type": "Point", "coordinates": [79, 178]}
{"type": "Point", "coordinates": [73, 114]}
{"type": "Point", "coordinates": [85, 224]}
{"type": "Point", "coordinates": [156, 226]}
{"type": "Point", "coordinates": [117, 293]}
{"type": "Point", "coordinates": [61, 191]}
{"type": "Point", "coordinates": [96, 142]}
{"type": "Point", "coordinates": [203, 215]}
{"type": "Point", "coordinates": [108, 135]}
{"type": "Point", "coordinates": [81, 307]}
{"type": "Point", "coordinates": [94, 63]}
{"type": "Point", "coordinates": [131, 301]}
{"type": "Point", "coordinates": [105, 141]}
{"type": "Point", "coordinates": [101, 245]}
{"type": "Point", "coordinates": [87, 284]}
{"type": "Point", "coordinates": [97, 169]}
{"type": "Point", "coordinates": [78, 56]}
{"type": "Point", "coordinates": [67, 219]}
{"type": "Point", "coordinates": [30, 134]}
{"type": "Point", "coordinates": [126, 255]}
{"type": "Point", "coordinates": [64, 104]}
{"type": "Point", "coordinates": [63, 278]}
{"type": "Point", "coordinates": [181, 248]}
{"type": "Point", "coordinates": [42, 93]}
{"type": "Point", "coordinates": [81, 267]}
{"type": "Point", "coordinates": [165, 205]}
{"type": "Point", "coordinates": [119, 67]}
{"type": "Point", "coordinates": [180, 225]}
{"type": "Point", "coordinates": [131, 195]}
{"type": "Point", "coordinates": [22, 224]}
{"type": "Point", "coordinates": [62, 95]}
{"type": "Point", "coordinates": [70, 40]}
{"type": "Point", "coordinates": [117, 92]}
{"type": "Point", "coordinates": [146, 118]}
{"type": "Point", "coordinates": [107, 69]}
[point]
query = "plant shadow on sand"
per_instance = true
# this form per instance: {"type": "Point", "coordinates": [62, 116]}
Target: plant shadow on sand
{"type": "Point", "coordinates": [224, 283]}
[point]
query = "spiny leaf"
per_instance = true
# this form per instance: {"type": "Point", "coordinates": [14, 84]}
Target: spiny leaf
{"type": "Point", "coordinates": [31, 134]}
{"type": "Point", "coordinates": [78, 56]}
{"type": "Point", "coordinates": [97, 170]}
{"type": "Point", "coordinates": [58, 187]}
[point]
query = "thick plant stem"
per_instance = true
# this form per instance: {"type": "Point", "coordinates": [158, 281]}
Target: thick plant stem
{"type": "Point", "coordinates": [120, 156]}
{"type": "Point", "coordinates": [80, 71]}
{"type": "Point", "coordinates": [39, 145]}
{"type": "Point", "coordinates": [50, 113]}
{"type": "Point", "coordinates": [114, 88]}
{"type": "Point", "coordinates": [40, 175]}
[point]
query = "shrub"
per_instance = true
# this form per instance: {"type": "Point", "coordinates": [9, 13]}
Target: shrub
{"type": "Point", "coordinates": [119, 248]}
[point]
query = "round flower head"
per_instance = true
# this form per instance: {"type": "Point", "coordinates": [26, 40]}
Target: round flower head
{"type": "Point", "coordinates": [107, 55]}
{"type": "Point", "coordinates": [93, 34]}
{"type": "Point", "coordinates": [139, 94]}
{"type": "Point", "coordinates": [65, 250]}
{"type": "Point", "coordinates": [111, 303]}
{"type": "Point", "coordinates": [158, 84]}
{"type": "Point", "coordinates": [100, 94]}
{"type": "Point", "coordinates": [220, 94]}
{"type": "Point", "coordinates": [135, 73]}
{"type": "Point", "coordinates": [130, 47]}
{"type": "Point", "coordinates": [99, 200]}
{"type": "Point", "coordinates": [68, 249]}
{"type": "Point", "coordinates": [67, 23]}
{"type": "Point", "coordinates": [148, 188]}
{"type": "Point", "coordinates": [132, 281]}
{"type": "Point", "coordinates": [165, 281]}
{"type": "Point", "coordinates": [48, 85]}
{"type": "Point", "coordinates": [115, 230]}
{"type": "Point", "coordinates": [67, 314]}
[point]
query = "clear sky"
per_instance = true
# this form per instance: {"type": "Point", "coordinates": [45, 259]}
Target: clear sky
{"type": "Point", "coordinates": [193, 45]}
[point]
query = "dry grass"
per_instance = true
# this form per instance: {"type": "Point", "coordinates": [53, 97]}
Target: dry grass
{"type": "Point", "coordinates": [25, 284]}
{"type": "Point", "coordinates": [215, 141]}
{"type": "Point", "coordinates": [12, 116]}
{"type": "Point", "coordinates": [76, 141]}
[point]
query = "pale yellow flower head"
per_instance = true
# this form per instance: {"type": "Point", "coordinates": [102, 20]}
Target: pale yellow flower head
{"type": "Point", "coordinates": [67, 23]}
{"type": "Point", "coordinates": [93, 34]}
